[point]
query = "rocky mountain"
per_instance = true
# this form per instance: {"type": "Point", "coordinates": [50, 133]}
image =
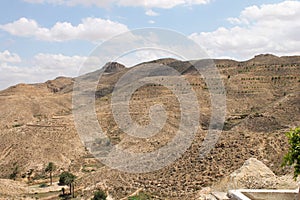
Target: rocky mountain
{"type": "Point", "coordinates": [262, 103]}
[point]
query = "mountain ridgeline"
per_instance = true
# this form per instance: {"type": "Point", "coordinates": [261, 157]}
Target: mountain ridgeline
{"type": "Point", "coordinates": [262, 103]}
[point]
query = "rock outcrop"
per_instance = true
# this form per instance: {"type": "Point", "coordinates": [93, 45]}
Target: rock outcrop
{"type": "Point", "coordinates": [254, 174]}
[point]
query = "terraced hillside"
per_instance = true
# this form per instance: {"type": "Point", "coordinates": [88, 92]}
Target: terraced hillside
{"type": "Point", "coordinates": [263, 102]}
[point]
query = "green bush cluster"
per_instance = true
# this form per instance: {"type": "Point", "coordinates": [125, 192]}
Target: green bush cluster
{"type": "Point", "coordinates": [292, 158]}
{"type": "Point", "coordinates": [99, 195]}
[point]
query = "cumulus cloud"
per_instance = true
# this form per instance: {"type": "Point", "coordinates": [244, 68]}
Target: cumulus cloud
{"type": "Point", "coordinates": [7, 57]}
{"type": "Point", "coordinates": [91, 29]}
{"type": "Point", "coordinates": [270, 28]}
{"type": "Point", "coordinates": [41, 68]}
{"type": "Point", "coordinates": [132, 3]}
{"type": "Point", "coordinates": [58, 63]}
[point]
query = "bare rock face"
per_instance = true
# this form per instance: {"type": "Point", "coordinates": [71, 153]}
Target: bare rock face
{"type": "Point", "coordinates": [113, 67]}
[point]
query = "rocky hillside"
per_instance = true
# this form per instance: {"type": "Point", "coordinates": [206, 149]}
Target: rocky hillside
{"type": "Point", "coordinates": [263, 102]}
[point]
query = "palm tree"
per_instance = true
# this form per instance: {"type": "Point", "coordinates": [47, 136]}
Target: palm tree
{"type": "Point", "coordinates": [67, 178]}
{"type": "Point", "coordinates": [50, 168]}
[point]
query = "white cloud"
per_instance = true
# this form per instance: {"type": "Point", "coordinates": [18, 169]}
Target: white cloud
{"type": "Point", "coordinates": [7, 57]}
{"type": "Point", "coordinates": [150, 12]}
{"type": "Point", "coordinates": [92, 29]}
{"type": "Point", "coordinates": [42, 67]}
{"type": "Point", "coordinates": [270, 28]}
{"type": "Point", "coordinates": [59, 63]}
{"type": "Point", "coordinates": [151, 22]}
{"type": "Point", "coordinates": [13, 74]}
{"type": "Point", "coordinates": [104, 3]}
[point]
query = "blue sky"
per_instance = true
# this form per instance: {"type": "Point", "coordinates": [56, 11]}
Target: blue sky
{"type": "Point", "coordinates": [42, 39]}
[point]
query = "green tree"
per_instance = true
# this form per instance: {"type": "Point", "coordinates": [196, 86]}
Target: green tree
{"type": "Point", "coordinates": [67, 178]}
{"type": "Point", "coordinates": [99, 195]}
{"type": "Point", "coordinates": [50, 168]}
{"type": "Point", "coordinates": [292, 158]}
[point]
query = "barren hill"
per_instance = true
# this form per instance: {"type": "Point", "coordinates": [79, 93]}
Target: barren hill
{"type": "Point", "coordinates": [263, 102]}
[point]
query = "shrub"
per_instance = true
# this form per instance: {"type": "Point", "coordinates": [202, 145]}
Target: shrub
{"type": "Point", "coordinates": [99, 195]}
{"type": "Point", "coordinates": [140, 196]}
{"type": "Point", "coordinates": [17, 125]}
{"type": "Point", "coordinates": [292, 158]}
{"type": "Point", "coordinates": [43, 185]}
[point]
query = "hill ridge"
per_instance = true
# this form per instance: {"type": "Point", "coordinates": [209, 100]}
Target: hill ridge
{"type": "Point", "coordinates": [263, 102]}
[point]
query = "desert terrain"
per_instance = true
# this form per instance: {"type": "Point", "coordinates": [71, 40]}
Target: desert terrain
{"type": "Point", "coordinates": [262, 103]}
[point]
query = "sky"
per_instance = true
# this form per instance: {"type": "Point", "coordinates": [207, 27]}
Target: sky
{"type": "Point", "coordinates": [43, 39]}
